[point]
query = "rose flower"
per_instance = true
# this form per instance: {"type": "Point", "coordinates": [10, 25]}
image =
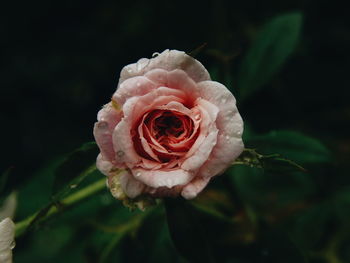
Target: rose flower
{"type": "Point", "coordinates": [168, 129]}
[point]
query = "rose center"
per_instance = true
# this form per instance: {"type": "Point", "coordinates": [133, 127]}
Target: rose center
{"type": "Point", "coordinates": [168, 125]}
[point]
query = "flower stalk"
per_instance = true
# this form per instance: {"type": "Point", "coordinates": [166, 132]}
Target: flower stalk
{"type": "Point", "coordinates": [89, 190]}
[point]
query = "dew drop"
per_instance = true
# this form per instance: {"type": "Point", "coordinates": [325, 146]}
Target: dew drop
{"type": "Point", "coordinates": [227, 137]}
{"type": "Point", "coordinates": [138, 84]}
{"type": "Point", "coordinates": [223, 100]}
{"type": "Point", "coordinates": [129, 70]}
{"type": "Point", "coordinates": [239, 133]}
{"type": "Point", "coordinates": [197, 117]}
{"type": "Point", "coordinates": [102, 125]}
{"type": "Point", "coordinates": [138, 174]}
{"type": "Point", "coordinates": [155, 54]}
{"type": "Point", "coordinates": [120, 153]}
{"type": "Point", "coordinates": [72, 186]}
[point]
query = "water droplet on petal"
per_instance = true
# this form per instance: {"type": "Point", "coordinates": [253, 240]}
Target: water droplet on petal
{"type": "Point", "coordinates": [227, 137]}
{"type": "Point", "coordinates": [239, 133]}
{"type": "Point", "coordinates": [197, 117]}
{"type": "Point", "coordinates": [129, 70]}
{"type": "Point", "coordinates": [138, 174]}
{"type": "Point", "coordinates": [155, 54]}
{"type": "Point", "coordinates": [223, 100]}
{"type": "Point", "coordinates": [138, 84]}
{"type": "Point", "coordinates": [102, 125]}
{"type": "Point", "coordinates": [13, 244]}
{"type": "Point", "coordinates": [120, 153]}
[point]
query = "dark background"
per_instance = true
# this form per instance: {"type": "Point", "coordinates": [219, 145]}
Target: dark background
{"type": "Point", "coordinates": [61, 60]}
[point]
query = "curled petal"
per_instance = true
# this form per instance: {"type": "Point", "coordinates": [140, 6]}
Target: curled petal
{"type": "Point", "coordinates": [137, 86]}
{"type": "Point", "coordinates": [108, 117]}
{"type": "Point", "coordinates": [104, 166]}
{"type": "Point", "coordinates": [167, 60]}
{"type": "Point", "coordinates": [192, 189]}
{"type": "Point", "coordinates": [162, 178]}
{"type": "Point", "coordinates": [131, 187]}
{"type": "Point", "coordinates": [230, 125]}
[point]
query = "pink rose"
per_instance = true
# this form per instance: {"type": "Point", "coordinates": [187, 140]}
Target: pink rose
{"type": "Point", "coordinates": [169, 127]}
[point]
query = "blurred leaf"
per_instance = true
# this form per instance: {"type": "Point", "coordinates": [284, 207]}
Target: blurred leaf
{"type": "Point", "coordinates": [186, 231]}
{"type": "Point", "coordinates": [273, 162]}
{"type": "Point", "coordinates": [275, 246]}
{"type": "Point", "coordinates": [342, 205]}
{"type": "Point", "coordinates": [269, 192]}
{"type": "Point", "coordinates": [311, 225]}
{"type": "Point", "coordinates": [275, 42]}
{"type": "Point", "coordinates": [154, 239]}
{"type": "Point", "coordinates": [74, 168]}
{"type": "Point", "coordinates": [292, 145]}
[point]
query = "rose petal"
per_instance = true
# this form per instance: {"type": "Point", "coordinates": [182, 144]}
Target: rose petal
{"type": "Point", "coordinates": [108, 117]}
{"type": "Point", "coordinates": [131, 187]}
{"type": "Point", "coordinates": [133, 87]}
{"type": "Point", "coordinates": [230, 125]}
{"type": "Point", "coordinates": [191, 190]}
{"type": "Point", "coordinates": [104, 166]}
{"type": "Point", "coordinates": [158, 97]}
{"type": "Point", "coordinates": [176, 79]}
{"type": "Point", "coordinates": [207, 119]}
{"type": "Point", "coordinates": [194, 162]}
{"type": "Point", "coordinates": [167, 60]}
{"type": "Point", "coordinates": [162, 178]}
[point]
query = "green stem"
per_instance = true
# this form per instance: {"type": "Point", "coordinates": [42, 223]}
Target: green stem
{"type": "Point", "coordinates": [69, 200]}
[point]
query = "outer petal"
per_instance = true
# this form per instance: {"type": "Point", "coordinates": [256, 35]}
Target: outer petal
{"type": "Point", "coordinates": [123, 144]}
{"type": "Point", "coordinates": [131, 187]}
{"type": "Point", "coordinates": [162, 178]}
{"type": "Point", "coordinates": [104, 166]}
{"type": "Point", "coordinates": [167, 60]}
{"type": "Point", "coordinates": [230, 125]}
{"type": "Point", "coordinates": [191, 190]}
{"type": "Point", "coordinates": [108, 117]}
{"type": "Point", "coordinates": [137, 86]}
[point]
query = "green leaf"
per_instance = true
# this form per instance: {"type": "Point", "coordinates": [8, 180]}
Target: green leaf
{"type": "Point", "coordinates": [269, 191]}
{"type": "Point", "coordinates": [311, 225]}
{"type": "Point", "coordinates": [275, 246]}
{"type": "Point", "coordinates": [187, 232]}
{"type": "Point", "coordinates": [155, 241]}
{"type": "Point", "coordinates": [292, 145]}
{"type": "Point", "coordinates": [275, 42]}
{"type": "Point", "coordinates": [342, 204]}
